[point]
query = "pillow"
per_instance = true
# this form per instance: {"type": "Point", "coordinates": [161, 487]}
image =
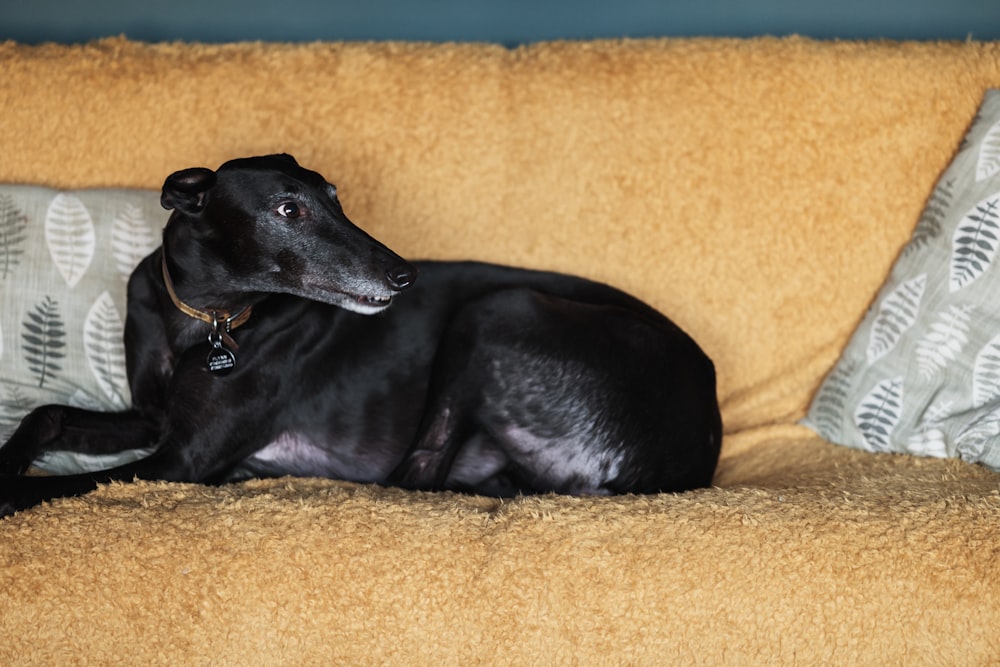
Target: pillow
{"type": "Point", "coordinates": [65, 258]}
{"type": "Point", "coordinates": [921, 375]}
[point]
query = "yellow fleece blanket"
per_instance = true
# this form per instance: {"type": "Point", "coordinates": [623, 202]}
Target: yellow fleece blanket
{"type": "Point", "coordinates": [757, 191]}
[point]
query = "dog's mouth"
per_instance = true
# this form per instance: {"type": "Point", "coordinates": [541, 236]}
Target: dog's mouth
{"type": "Point", "coordinates": [365, 304]}
{"type": "Point", "coordinates": [374, 301]}
{"type": "Point", "coordinates": [358, 302]}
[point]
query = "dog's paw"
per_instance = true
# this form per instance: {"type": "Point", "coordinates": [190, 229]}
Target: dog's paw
{"type": "Point", "coordinates": [8, 505]}
{"type": "Point", "coordinates": [421, 469]}
{"type": "Point", "coordinates": [11, 464]}
{"type": "Point", "coordinates": [41, 425]}
{"type": "Point", "coordinates": [19, 493]}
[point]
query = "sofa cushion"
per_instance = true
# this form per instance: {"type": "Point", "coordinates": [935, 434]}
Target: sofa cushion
{"type": "Point", "coordinates": [921, 374]}
{"type": "Point", "coordinates": [65, 257]}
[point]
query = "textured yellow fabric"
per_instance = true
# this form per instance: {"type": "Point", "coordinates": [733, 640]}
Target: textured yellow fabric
{"type": "Point", "coordinates": [755, 190]}
{"type": "Point", "coordinates": [871, 562]}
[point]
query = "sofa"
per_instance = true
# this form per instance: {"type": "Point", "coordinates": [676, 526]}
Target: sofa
{"type": "Point", "coordinates": [761, 192]}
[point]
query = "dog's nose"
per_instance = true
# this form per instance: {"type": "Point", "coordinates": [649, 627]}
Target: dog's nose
{"type": "Point", "coordinates": [402, 276]}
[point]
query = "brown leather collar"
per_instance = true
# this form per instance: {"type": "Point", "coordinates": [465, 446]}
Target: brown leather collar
{"type": "Point", "coordinates": [222, 321]}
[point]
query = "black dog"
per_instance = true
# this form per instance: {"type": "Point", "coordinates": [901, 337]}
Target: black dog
{"type": "Point", "coordinates": [480, 379]}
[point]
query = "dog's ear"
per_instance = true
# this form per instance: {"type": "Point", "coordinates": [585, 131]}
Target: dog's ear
{"type": "Point", "coordinates": [186, 190]}
{"type": "Point", "coordinates": [286, 156]}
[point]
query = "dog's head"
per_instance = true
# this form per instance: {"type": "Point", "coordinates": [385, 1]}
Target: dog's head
{"type": "Point", "coordinates": [265, 224]}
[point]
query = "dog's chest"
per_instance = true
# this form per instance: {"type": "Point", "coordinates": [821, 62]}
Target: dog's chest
{"type": "Point", "coordinates": [299, 455]}
{"type": "Point", "coordinates": [294, 451]}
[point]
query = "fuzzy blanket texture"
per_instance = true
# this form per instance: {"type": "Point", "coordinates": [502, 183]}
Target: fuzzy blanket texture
{"type": "Point", "coordinates": [757, 191]}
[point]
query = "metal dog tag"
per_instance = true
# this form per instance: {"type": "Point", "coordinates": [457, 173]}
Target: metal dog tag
{"type": "Point", "coordinates": [221, 360]}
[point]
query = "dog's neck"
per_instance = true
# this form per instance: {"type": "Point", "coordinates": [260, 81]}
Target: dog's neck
{"type": "Point", "coordinates": [201, 283]}
{"type": "Point", "coordinates": [214, 316]}
{"type": "Point", "coordinates": [195, 295]}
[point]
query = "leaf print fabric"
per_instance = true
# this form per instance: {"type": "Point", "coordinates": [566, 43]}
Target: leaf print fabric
{"type": "Point", "coordinates": [44, 340]}
{"type": "Point", "coordinates": [944, 341]}
{"type": "Point", "coordinates": [896, 314]}
{"type": "Point", "coordinates": [103, 330]}
{"type": "Point", "coordinates": [12, 235]}
{"type": "Point", "coordinates": [832, 401]}
{"type": "Point", "coordinates": [986, 374]}
{"type": "Point", "coordinates": [975, 242]}
{"type": "Point", "coordinates": [921, 374]}
{"type": "Point", "coordinates": [132, 238]}
{"type": "Point", "coordinates": [64, 261]}
{"type": "Point", "coordinates": [70, 235]}
{"type": "Point", "coordinates": [988, 164]}
{"type": "Point", "coordinates": [878, 413]}
{"type": "Point", "coordinates": [931, 220]}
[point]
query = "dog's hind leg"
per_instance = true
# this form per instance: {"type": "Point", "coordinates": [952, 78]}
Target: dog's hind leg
{"type": "Point", "coordinates": [498, 393]}
{"type": "Point", "coordinates": [449, 423]}
{"type": "Point", "coordinates": [545, 394]}
{"type": "Point", "coordinates": [445, 430]}
{"type": "Point", "coordinates": [52, 428]}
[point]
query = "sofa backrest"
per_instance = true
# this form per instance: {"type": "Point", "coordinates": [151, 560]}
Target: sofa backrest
{"type": "Point", "coordinates": [755, 190]}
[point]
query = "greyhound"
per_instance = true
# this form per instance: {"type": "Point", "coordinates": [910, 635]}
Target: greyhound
{"type": "Point", "coordinates": [269, 336]}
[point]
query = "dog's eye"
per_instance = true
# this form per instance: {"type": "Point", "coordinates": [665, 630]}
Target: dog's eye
{"type": "Point", "coordinates": [289, 210]}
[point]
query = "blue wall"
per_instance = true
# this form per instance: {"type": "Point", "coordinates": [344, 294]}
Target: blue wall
{"type": "Point", "coordinates": [507, 22]}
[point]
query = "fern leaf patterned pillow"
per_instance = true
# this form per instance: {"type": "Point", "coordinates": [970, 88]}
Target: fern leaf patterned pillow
{"type": "Point", "coordinates": [65, 258]}
{"type": "Point", "coordinates": [921, 375]}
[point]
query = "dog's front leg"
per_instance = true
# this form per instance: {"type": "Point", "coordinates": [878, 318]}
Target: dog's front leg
{"type": "Point", "coordinates": [52, 428]}
{"type": "Point", "coordinates": [167, 463]}
{"type": "Point", "coordinates": [186, 453]}
{"type": "Point", "coordinates": [203, 439]}
{"type": "Point", "coordinates": [19, 492]}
